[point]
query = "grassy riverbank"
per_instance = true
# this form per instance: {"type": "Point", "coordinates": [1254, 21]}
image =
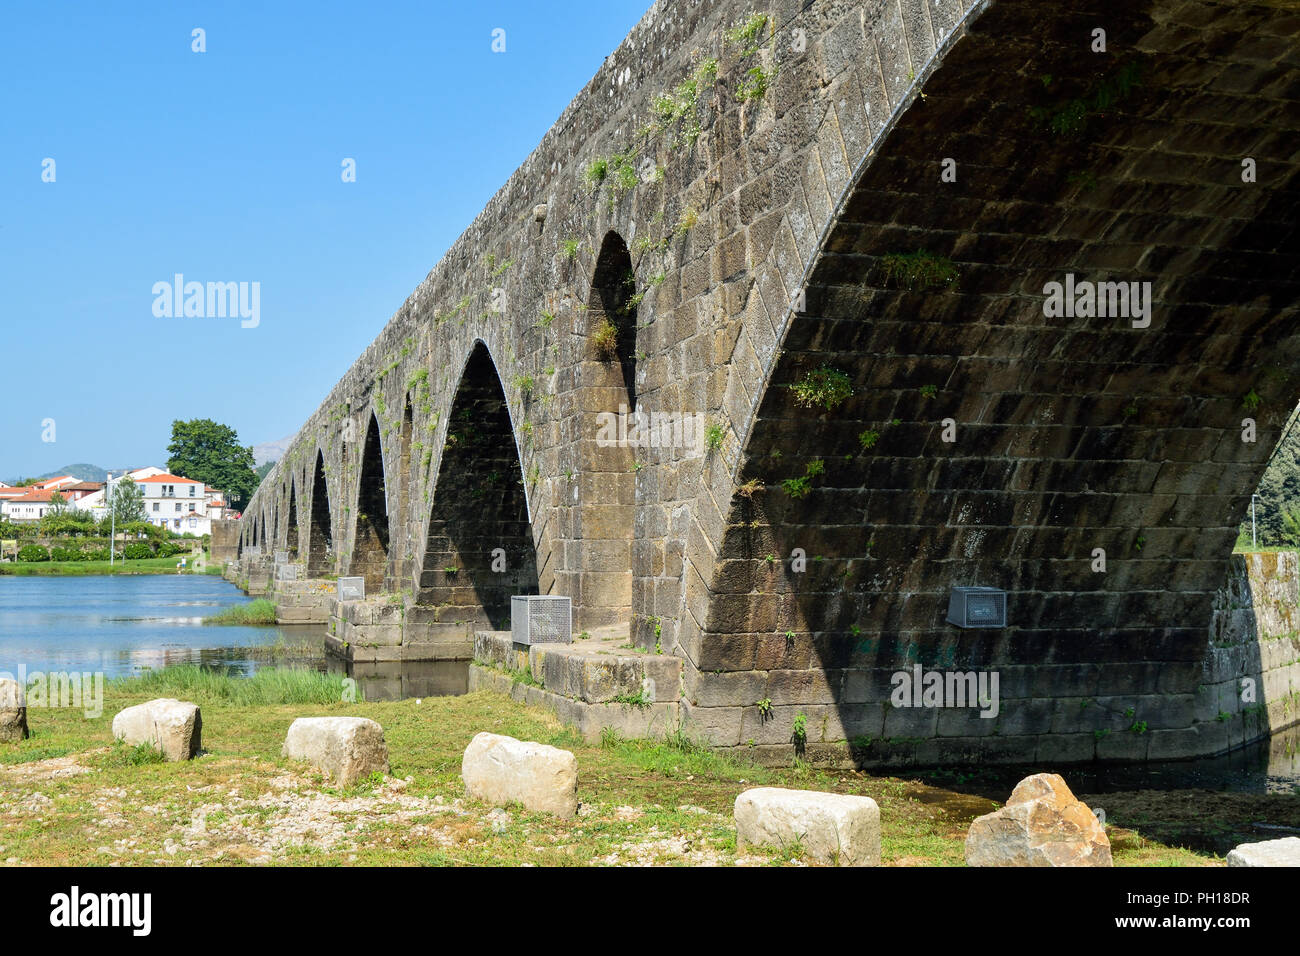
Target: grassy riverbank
{"type": "Point", "coordinates": [256, 613]}
{"type": "Point", "coordinates": [120, 566]}
{"type": "Point", "coordinates": [68, 796]}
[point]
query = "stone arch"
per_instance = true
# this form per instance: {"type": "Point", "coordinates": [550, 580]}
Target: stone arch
{"type": "Point", "coordinates": [1072, 433]}
{"type": "Point", "coordinates": [479, 514]}
{"type": "Point", "coordinates": [604, 514]}
{"type": "Point", "coordinates": [320, 532]}
{"type": "Point", "coordinates": [611, 319]}
{"type": "Point", "coordinates": [370, 542]}
{"type": "Point", "coordinates": [404, 472]}
{"type": "Point", "coordinates": [291, 528]}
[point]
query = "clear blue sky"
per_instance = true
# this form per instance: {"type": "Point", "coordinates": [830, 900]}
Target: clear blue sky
{"type": "Point", "coordinates": [225, 166]}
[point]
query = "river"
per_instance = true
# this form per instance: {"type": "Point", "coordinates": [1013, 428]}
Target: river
{"type": "Point", "coordinates": [123, 624]}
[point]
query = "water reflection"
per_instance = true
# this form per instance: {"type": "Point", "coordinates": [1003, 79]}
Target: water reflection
{"type": "Point", "coordinates": [398, 680]}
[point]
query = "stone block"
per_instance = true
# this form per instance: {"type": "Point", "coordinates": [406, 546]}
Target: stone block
{"type": "Point", "coordinates": [347, 749]}
{"type": "Point", "coordinates": [13, 712]}
{"type": "Point", "coordinates": [175, 727]}
{"type": "Point", "coordinates": [1042, 824]}
{"type": "Point", "coordinates": [831, 827]}
{"type": "Point", "coordinates": [1283, 852]}
{"type": "Point", "coordinates": [500, 769]}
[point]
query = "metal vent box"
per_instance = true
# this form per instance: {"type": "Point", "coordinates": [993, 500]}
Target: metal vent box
{"type": "Point", "coordinates": [352, 589]}
{"type": "Point", "coordinates": [286, 572]}
{"type": "Point", "coordinates": [977, 607]}
{"type": "Point", "coordinates": [541, 619]}
{"type": "Point", "coordinates": [282, 557]}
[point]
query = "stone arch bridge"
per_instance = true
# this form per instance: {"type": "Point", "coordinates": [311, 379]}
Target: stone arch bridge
{"type": "Point", "coordinates": [823, 232]}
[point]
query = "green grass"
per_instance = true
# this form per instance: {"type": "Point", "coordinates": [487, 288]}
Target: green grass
{"type": "Point", "coordinates": [256, 613]}
{"type": "Point", "coordinates": [268, 685]}
{"type": "Point", "coordinates": [120, 566]}
{"type": "Point", "coordinates": [242, 803]}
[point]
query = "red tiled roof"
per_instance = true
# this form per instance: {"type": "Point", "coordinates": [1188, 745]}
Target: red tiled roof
{"type": "Point", "coordinates": [35, 495]}
{"type": "Point", "coordinates": [167, 479]}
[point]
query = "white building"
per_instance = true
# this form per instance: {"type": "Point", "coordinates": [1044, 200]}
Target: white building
{"type": "Point", "coordinates": [179, 504]}
{"type": "Point", "coordinates": [30, 506]}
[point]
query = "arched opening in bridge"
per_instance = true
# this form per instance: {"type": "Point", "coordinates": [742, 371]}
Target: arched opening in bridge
{"type": "Point", "coordinates": [480, 548]}
{"type": "Point", "coordinates": [611, 318]}
{"type": "Point", "coordinates": [320, 537]}
{"type": "Point", "coordinates": [370, 544]}
{"type": "Point", "coordinates": [405, 467]}
{"type": "Point", "coordinates": [291, 531]}
{"type": "Point", "coordinates": [599, 571]}
{"type": "Point", "coordinates": [928, 423]}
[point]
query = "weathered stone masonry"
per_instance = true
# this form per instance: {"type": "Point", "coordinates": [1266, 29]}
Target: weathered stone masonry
{"type": "Point", "coordinates": [788, 215]}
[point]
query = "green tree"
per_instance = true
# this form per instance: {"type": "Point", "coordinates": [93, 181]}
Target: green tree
{"type": "Point", "coordinates": [1279, 492]}
{"type": "Point", "coordinates": [209, 452]}
{"type": "Point", "coordinates": [127, 502]}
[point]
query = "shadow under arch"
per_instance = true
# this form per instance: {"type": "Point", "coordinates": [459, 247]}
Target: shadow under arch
{"type": "Point", "coordinates": [479, 547]}
{"type": "Point", "coordinates": [320, 535]}
{"type": "Point", "coordinates": [370, 542]}
{"type": "Point", "coordinates": [291, 526]}
{"type": "Point", "coordinates": [604, 517]}
{"type": "Point", "coordinates": [1070, 435]}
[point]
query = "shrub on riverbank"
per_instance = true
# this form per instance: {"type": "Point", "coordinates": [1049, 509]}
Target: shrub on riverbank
{"type": "Point", "coordinates": [33, 552]}
{"type": "Point", "coordinates": [258, 613]}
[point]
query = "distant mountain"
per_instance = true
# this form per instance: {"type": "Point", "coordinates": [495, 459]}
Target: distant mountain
{"type": "Point", "coordinates": [272, 450]}
{"type": "Point", "coordinates": [81, 471]}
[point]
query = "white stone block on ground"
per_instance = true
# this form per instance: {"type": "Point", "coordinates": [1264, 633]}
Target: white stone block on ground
{"type": "Point", "coordinates": [831, 827]}
{"type": "Point", "coordinates": [175, 727]}
{"type": "Point", "coordinates": [347, 749]}
{"type": "Point", "coordinates": [1042, 824]}
{"type": "Point", "coordinates": [1283, 852]}
{"type": "Point", "coordinates": [501, 770]}
{"type": "Point", "coordinates": [13, 714]}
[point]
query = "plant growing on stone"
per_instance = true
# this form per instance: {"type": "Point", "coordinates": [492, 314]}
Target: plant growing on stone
{"type": "Point", "coordinates": [868, 439]}
{"type": "Point", "coordinates": [524, 384]}
{"type": "Point", "coordinates": [825, 387]}
{"type": "Point", "coordinates": [765, 708]}
{"type": "Point", "coordinates": [747, 34]}
{"type": "Point", "coordinates": [799, 732]}
{"type": "Point", "coordinates": [605, 338]}
{"type": "Point", "coordinates": [754, 84]}
{"type": "Point", "coordinates": [570, 248]}
{"type": "Point", "coordinates": [596, 171]}
{"type": "Point", "coordinates": [1251, 401]}
{"type": "Point", "coordinates": [713, 437]}
{"type": "Point", "coordinates": [919, 270]}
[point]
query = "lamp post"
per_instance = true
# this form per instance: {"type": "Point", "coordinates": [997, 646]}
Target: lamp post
{"type": "Point", "coordinates": [112, 517]}
{"type": "Point", "coordinates": [1253, 542]}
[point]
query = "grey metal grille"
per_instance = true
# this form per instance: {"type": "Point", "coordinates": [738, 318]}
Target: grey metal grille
{"type": "Point", "coordinates": [977, 607]}
{"type": "Point", "coordinates": [541, 619]}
